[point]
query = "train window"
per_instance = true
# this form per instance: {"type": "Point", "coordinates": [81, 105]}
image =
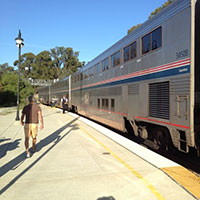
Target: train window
{"type": "Point", "coordinates": [146, 43]}
{"type": "Point", "coordinates": [105, 64]}
{"type": "Point", "coordinates": [116, 59]}
{"type": "Point", "coordinates": [91, 71]}
{"type": "Point", "coordinates": [157, 38]}
{"type": "Point", "coordinates": [112, 104]}
{"type": "Point", "coordinates": [105, 103]}
{"type": "Point", "coordinates": [152, 41]}
{"type": "Point", "coordinates": [85, 74]}
{"type": "Point", "coordinates": [130, 52]}
{"type": "Point", "coordinates": [97, 68]}
{"type": "Point", "coordinates": [126, 54]}
{"type": "Point", "coordinates": [133, 50]}
{"type": "Point", "coordinates": [98, 103]}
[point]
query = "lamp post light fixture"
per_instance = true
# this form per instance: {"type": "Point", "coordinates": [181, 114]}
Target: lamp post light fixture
{"type": "Point", "coordinates": [19, 42]}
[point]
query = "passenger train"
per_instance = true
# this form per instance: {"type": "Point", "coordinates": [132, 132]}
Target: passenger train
{"type": "Point", "coordinates": [149, 81]}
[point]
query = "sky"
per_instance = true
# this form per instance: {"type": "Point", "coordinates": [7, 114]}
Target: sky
{"type": "Point", "coordinates": [88, 26]}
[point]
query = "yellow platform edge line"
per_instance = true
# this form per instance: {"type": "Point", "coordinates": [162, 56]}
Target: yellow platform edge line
{"type": "Point", "coordinates": [185, 178]}
{"type": "Point", "coordinates": [139, 176]}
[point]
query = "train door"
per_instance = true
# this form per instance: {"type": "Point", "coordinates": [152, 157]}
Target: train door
{"type": "Point", "coordinates": [86, 102]}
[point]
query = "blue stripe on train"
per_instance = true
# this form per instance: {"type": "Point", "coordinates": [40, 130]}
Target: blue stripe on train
{"type": "Point", "coordinates": [162, 74]}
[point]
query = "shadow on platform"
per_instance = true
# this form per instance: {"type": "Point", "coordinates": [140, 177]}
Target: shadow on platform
{"type": "Point", "coordinates": [54, 138]}
{"type": "Point", "coordinates": [106, 198]}
{"type": "Point", "coordinates": [8, 146]}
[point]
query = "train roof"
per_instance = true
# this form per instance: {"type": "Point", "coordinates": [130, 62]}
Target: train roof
{"type": "Point", "coordinates": [167, 12]}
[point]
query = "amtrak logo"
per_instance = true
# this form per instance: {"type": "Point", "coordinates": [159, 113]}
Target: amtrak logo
{"type": "Point", "coordinates": [183, 70]}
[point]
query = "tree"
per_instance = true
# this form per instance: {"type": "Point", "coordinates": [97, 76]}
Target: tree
{"type": "Point", "coordinates": [72, 63]}
{"type": "Point", "coordinates": [57, 54]}
{"type": "Point", "coordinates": [4, 68]}
{"type": "Point", "coordinates": [157, 10]}
{"type": "Point", "coordinates": [42, 68]}
{"type": "Point", "coordinates": [65, 61]}
{"type": "Point", "coordinates": [59, 62]}
{"type": "Point", "coordinates": [8, 92]}
{"type": "Point", "coordinates": [27, 63]}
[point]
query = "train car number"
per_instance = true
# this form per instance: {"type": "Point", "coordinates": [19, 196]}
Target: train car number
{"type": "Point", "coordinates": [182, 54]}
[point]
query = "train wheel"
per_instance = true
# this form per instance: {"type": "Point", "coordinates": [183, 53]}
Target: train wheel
{"type": "Point", "coordinates": [160, 138]}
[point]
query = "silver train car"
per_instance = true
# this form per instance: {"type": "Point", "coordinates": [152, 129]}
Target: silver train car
{"type": "Point", "coordinates": [147, 82]}
{"type": "Point", "coordinates": [52, 94]}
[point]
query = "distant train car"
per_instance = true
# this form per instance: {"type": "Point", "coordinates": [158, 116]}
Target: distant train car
{"type": "Point", "coordinates": [149, 80]}
{"type": "Point", "coordinates": [52, 94]}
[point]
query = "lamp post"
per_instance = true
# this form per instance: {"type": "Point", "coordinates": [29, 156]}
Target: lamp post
{"type": "Point", "coordinates": [20, 44]}
{"type": "Point", "coordinates": [26, 73]}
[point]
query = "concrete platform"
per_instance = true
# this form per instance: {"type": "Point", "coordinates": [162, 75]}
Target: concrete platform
{"type": "Point", "coordinates": [79, 160]}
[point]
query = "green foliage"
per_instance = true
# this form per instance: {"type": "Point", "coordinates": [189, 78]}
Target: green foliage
{"type": "Point", "coordinates": [8, 92]}
{"type": "Point", "coordinates": [9, 82]}
{"type": "Point", "coordinates": [133, 28]}
{"type": "Point", "coordinates": [57, 63]}
{"type": "Point", "coordinates": [65, 61]}
{"type": "Point", "coordinates": [4, 68]}
{"type": "Point", "coordinates": [157, 10]}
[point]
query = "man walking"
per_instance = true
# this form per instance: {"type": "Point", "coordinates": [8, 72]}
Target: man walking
{"type": "Point", "coordinates": [33, 115]}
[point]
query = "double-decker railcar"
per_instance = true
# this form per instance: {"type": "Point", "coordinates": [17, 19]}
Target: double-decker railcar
{"type": "Point", "coordinates": [148, 80]}
{"type": "Point", "coordinates": [53, 93]}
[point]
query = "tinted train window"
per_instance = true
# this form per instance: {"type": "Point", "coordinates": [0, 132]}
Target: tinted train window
{"type": "Point", "coordinates": [81, 76]}
{"type": "Point", "coordinates": [156, 38]}
{"type": "Point", "coordinates": [98, 103]}
{"type": "Point", "coordinates": [152, 41]}
{"type": "Point", "coordinates": [105, 64]}
{"type": "Point", "coordinates": [116, 59]}
{"type": "Point", "coordinates": [97, 68]}
{"type": "Point", "coordinates": [126, 54]}
{"type": "Point", "coordinates": [85, 74]}
{"type": "Point", "coordinates": [130, 52]}
{"type": "Point", "coordinates": [146, 43]}
{"type": "Point", "coordinates": [105, 104]}
{"type": "Point", "coordinates": [112, 104]}
{"type": "Point", "coordinates": [91, 71]}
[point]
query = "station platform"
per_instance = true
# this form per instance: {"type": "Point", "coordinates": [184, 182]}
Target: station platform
{"type": "Point", "coordinates": [77, 159]}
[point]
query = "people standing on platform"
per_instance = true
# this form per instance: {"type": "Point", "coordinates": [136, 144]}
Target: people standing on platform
{"type": "Point", "coordinates": [64, 102]}
{"type": "Point", "coordinates": [33, 114]}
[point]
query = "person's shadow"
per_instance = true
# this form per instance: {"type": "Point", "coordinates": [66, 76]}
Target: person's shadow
{"type": "Point", "coordinates": [106, 198]}
{"type": "Point", "coordinates": [54, 138]}
{"type": "Point", "coordinates": [8, 146]}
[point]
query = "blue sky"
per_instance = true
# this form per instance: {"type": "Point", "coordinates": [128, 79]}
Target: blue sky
{"type": "Point", "coordinates": [88, 26]}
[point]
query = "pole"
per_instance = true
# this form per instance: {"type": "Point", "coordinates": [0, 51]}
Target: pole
{"type": "Point", "coordinates": [18, 88]}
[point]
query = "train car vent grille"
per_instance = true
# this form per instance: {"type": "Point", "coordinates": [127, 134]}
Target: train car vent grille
{"type": "Point", "coordinates": [133, 89]}
{"type": "Point", "coordinates": [159, 100]}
